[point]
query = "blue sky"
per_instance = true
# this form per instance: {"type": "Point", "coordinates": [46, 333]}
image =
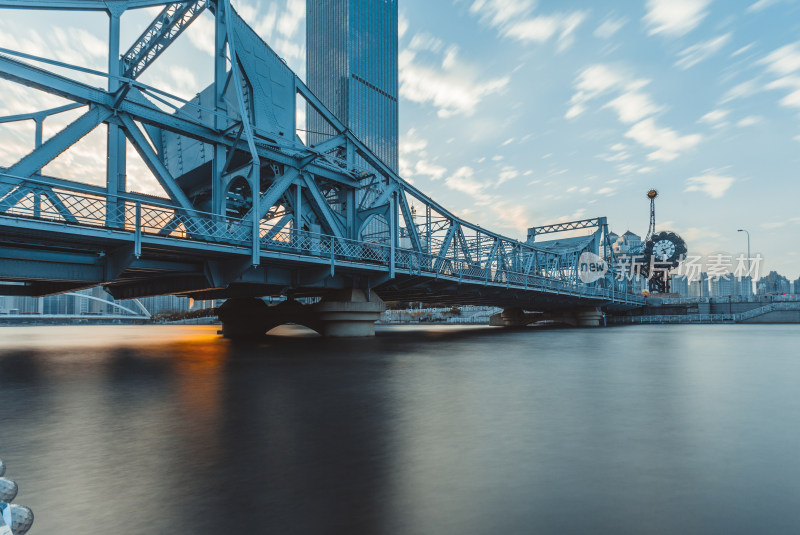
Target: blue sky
{"type": "Point", "coordinates": [517, 113]}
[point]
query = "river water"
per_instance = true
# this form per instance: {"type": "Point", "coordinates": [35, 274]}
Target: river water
{"type": "Point", "coordinates": [421, 430]}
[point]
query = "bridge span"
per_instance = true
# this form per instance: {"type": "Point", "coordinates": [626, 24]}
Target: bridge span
{"type": "Point", "coordinates": [248, 209]}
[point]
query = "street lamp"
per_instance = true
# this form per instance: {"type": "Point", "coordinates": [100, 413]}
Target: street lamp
{"type": "Point", "coordinates": [749, 276]}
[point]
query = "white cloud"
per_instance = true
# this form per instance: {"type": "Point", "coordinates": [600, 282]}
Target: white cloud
{"type": "Point", "coordinates": [599, 79]}
{"type": "Point", "coordinates": [432, 170]}
{"type": "Point", "coordinates": [508, 173]}
{"type": "Point", "coordinates": [515, 19]}
{"type": "Point", "coordinates": [426, 41]}
{"type": "Point", "coordinates": [288, 23]}
{"type": "Point", "coordinates": [667, 142]}
{"type": "Point", "coordinates": [742, 90]}
{"type": "Point", "coordinates": [413, 158]}
{"type": "Point", "coordinates": [750, 120]}
{"type": "Point", "coordinates": [402, 25]}
{"type": "Point", "coordinates": [201, 34]}
{"type": "Point", "coordinates": [761, 4]}
{"type": "Point", "coordinates": [463, 180]}
{"type": "Point", "coordinates": [609, 27]}
{"type": "Point", "coordinates": [742, 50]}
{"type": "Point", "coordinates": [714, 116]}
{"type": "Point", "coordinates": [712, 185]}
{"type": "Point", "coordinates": [633, 106]}
{"type": "Point", "coordinates": [785, 60]}
{"type": "Point", "coordinates": [691, 56]}
{"type": "Point", "coordinates": [452, 87]}
{"type": "Point", "coordinates": [675, 17]}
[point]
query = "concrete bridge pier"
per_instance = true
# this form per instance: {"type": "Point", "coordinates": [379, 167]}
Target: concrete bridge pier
{"type": "Point", "coordinates": [588, 317]}
{"type": "Point", "coordinates": [349, 313]}
{"type": "Point", "coordinates": [578, 317]}
{"type": "Point", "coordinates": [243, 318]}
{"type": "Point", "coordinates": [514, 317]}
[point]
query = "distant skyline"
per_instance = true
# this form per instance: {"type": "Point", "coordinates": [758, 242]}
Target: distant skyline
{"type": "Point", "coordinates": [515, 113]}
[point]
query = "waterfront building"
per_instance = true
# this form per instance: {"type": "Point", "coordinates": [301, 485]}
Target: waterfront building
{"type": "Point", "coordinates": [163, 304]}
{"type": "Point", "coordinates": [797, 286]}
{"type": "Point", "coordinates": [351, 65]}
{"type": "Point", "coordinates": [699, 287]}
{"type": "Point", "coordinates": [773, 283]}
{"type": "Point", "coordinates": [743, 286]}
{"type": "Point", "coordinates": [680, 285]}
{"type": "Point", "coordinates": [26, 305]}
{"type": "Point", "coordinates": [721, 286]}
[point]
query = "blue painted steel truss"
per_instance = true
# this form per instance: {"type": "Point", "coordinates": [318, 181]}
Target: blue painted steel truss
{"type": "Point", "coordinates": [239, 181]}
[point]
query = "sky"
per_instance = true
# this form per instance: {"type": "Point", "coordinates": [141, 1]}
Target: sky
{"type": "Point", "coordinates": [515, 113]}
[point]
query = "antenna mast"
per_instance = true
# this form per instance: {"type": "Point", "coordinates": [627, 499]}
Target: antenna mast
{"type": "Point", "coordinates": [652, 194]}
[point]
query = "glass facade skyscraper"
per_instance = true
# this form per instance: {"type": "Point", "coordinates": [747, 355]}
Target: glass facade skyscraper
{"type": "Point", "coordinates": [351, 65]}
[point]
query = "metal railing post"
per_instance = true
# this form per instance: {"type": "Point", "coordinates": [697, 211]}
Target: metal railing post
{"type": "Point", "coordinates": [137, 232]}
{"type": "Point", "coordinates": [333, 255]}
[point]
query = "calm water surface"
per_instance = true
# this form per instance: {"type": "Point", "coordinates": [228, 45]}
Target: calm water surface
{"type": "Point", "coordinates": [641, 429]}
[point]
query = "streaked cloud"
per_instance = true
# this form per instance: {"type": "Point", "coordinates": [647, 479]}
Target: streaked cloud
{"type": "Point", "coordinates": [609, 27]}
{"type": "Point", "coordinates": [674, 18]}
{"type": "Point", "coordinates": [712, 185]}
{"type": "Point", "coordinates": [516, 19]}
{"type": "Point", "coordinates": [668, 143]}
{"type": "Point", "coordinates": [450, 85]}
{"type": "Point", "coordinates": [691, 56]}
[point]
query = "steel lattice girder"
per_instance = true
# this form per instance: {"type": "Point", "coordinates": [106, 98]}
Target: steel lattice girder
{"type": "Point", "coordinates": [126, 107]}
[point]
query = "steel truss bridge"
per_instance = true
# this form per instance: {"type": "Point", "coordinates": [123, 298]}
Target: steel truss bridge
{"type": "Point", "coordinates": [249, 209]}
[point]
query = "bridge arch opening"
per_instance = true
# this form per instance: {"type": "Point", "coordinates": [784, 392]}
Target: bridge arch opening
{"type": "Point", "coordinates": [293, 330]}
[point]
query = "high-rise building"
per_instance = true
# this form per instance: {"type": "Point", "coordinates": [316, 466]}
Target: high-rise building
{"type": "Point", "coordinates": [743, 286]}
{"type": "Point", "coordinates": [699, 287]}
{"type": "Point", "coordinates": [351, 65]}
{"type": "Point", "coordinates": [680, 285]}
{"type": "Point", "coordinates": [773, 283]}
{"type": "Point", "coordinates": [797, 286]}
{"type": "Point", "coordinates": [722, 286]}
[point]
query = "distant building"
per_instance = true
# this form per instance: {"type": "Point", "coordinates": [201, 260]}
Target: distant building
{"type": "Point", "coordinates": [722, 286]}
{"type": "Point", "coordinates": [164, 304]}
{"type": "Point", "coordinates": [680, 285]}
{"type": "Point", "coordinates": [773, 283]}
{"type": "Point", "coordinates": [797, 286]}
{"type": "Point", "coordinates": [699, 287]}
{"type": "Point", "coordinates": [628, 243]}
{"type": "Point", "coordinates": [26, 305]}
{"type": "Point", "coordinates": [743, 286]}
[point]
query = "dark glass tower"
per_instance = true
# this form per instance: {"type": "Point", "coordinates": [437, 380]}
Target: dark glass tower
{"type": "Point", "coordinates": [351, 65]}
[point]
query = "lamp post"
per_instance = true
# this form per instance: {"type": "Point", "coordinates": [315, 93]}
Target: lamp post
{"type": "Point", "coordinates": [749, 276]}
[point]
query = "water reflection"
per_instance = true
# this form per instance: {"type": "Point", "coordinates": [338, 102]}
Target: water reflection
{"type": "Point", "coordinates": [174, 430]}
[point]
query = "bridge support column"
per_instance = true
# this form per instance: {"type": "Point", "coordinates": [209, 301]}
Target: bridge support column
{"type": "Point", "coordinates": [349, 313]}
{"type": "Point", "coordinates": [578, 317]}
{"type": "Point", "coordinates": [588, 317]}
{"type": "Point", "coordinates": [513, 317]}
{"type": "Point", "coordinates": [243, 318]}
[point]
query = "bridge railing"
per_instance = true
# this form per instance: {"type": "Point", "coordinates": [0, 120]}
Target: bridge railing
{"type": "Point", "coordinates": [31, 198]}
